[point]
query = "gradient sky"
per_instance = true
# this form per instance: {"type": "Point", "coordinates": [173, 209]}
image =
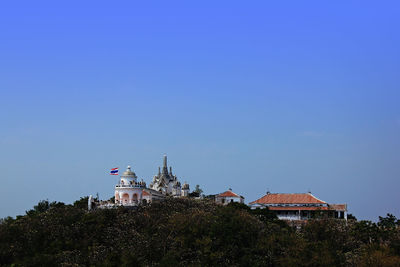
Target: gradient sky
{"type": "Point", "coordinates": [289, 96]}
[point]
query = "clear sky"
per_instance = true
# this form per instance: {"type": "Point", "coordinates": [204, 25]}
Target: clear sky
{"type": "Point", "coordinates": [289, 96]}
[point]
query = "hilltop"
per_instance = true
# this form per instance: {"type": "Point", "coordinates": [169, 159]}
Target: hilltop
{"type": "Point", "coordinates": [187, 232]}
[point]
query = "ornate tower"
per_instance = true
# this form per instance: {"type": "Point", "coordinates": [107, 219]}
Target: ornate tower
{"type": "Point", "coordinates": [165, 182]}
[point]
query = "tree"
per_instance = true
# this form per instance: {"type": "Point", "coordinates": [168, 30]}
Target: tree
{"type": "Point", "coordinates": [43, 206]}
{"type": "Point", "coordinates": [351, 217]}
{"type": "Point", "coordinates": [187, 232]}
{"type": "Point", "coordinates": [82, 203]}
{"type": "Point", "coordinates": [198, 190]}
{"type": "Point", "coordinates": [388, 222]}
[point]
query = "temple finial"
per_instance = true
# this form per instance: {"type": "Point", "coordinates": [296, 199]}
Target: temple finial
{"type": "Point", "coordinates": [165, 161]}
{"type": "Point", "coordinates": [165, 168]}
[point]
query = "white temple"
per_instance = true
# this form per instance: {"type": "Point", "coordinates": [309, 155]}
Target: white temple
{"type": "Point", "coordinates": [131, 192]}
{"type": "Point", "coordinates": [167, 183]}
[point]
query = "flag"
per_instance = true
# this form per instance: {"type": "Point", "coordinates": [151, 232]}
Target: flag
{"type": "Point", "coordinates": [114, 171]}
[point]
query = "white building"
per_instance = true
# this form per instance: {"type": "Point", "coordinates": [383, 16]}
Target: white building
{"type": "Point", "coordinates": [299, 207]}
{"type": "Point", "coordinates": [129, 191]}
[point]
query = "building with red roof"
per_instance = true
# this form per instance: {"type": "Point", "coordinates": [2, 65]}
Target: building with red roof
{"type": "Point", "coordinates": [300, 206]}
{"type": "Point", "coordinates": [228, 197]}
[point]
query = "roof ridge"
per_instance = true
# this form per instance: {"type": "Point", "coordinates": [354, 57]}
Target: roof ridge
{"type": "Point", "coordinates": [316, 198]}
{"type": "Point", "coordinates": [228, 191]}
{"type": "Point", "coordinates": [308, 193]}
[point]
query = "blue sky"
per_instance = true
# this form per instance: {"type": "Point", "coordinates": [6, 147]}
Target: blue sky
{"type": "Point", "coordinates": [285, 96]}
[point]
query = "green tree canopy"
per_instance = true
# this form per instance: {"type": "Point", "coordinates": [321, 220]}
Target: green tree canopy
{"type": "Point", "coordinates": [187, 232]}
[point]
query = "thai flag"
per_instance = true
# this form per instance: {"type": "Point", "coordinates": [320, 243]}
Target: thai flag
{"type": "Point", "coordinates": [114, 171]}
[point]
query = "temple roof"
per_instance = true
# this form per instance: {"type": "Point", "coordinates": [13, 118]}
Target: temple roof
{"type": "Point", "coordinates": [302, 198]}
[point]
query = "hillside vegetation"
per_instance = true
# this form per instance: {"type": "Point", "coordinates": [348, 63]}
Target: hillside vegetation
{"type": "Point", "coordinates": [185, 232]}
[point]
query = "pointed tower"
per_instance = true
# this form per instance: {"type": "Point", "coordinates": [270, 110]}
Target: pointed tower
{"type": "Point", "coordinates": [166, 182]}
{"type": "Point", "coordinates": [165, 168]}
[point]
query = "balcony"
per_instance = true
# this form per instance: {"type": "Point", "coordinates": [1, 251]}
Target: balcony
{"type": "Point", "coordinates": [130, 186]}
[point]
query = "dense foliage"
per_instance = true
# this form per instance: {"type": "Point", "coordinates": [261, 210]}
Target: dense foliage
{"type": "Point", "coordinates": [185, 232]}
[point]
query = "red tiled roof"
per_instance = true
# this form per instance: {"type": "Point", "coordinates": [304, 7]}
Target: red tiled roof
{"type": "Point", "coordinates": [288, 199]}
{"type": "Point", "coordinates": [338, 207]}
{"type": "Point", "coordinates": [298, 208]}
{"type": "Point", "coordinates": [228, 193]}
{"type": "Point", "coordinates": [145, 193]}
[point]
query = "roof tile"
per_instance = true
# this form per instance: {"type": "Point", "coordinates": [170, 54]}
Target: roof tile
{"type": "Point", "coordinates": [228, 193]}
{"type": "Point", "coordinates": [338, 207]}
{"type": "Point", "coordinates": [306, 198]}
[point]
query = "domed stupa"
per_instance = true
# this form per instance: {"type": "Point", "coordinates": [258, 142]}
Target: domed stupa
{"type": "Point", "coordinates": [129, 191]}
